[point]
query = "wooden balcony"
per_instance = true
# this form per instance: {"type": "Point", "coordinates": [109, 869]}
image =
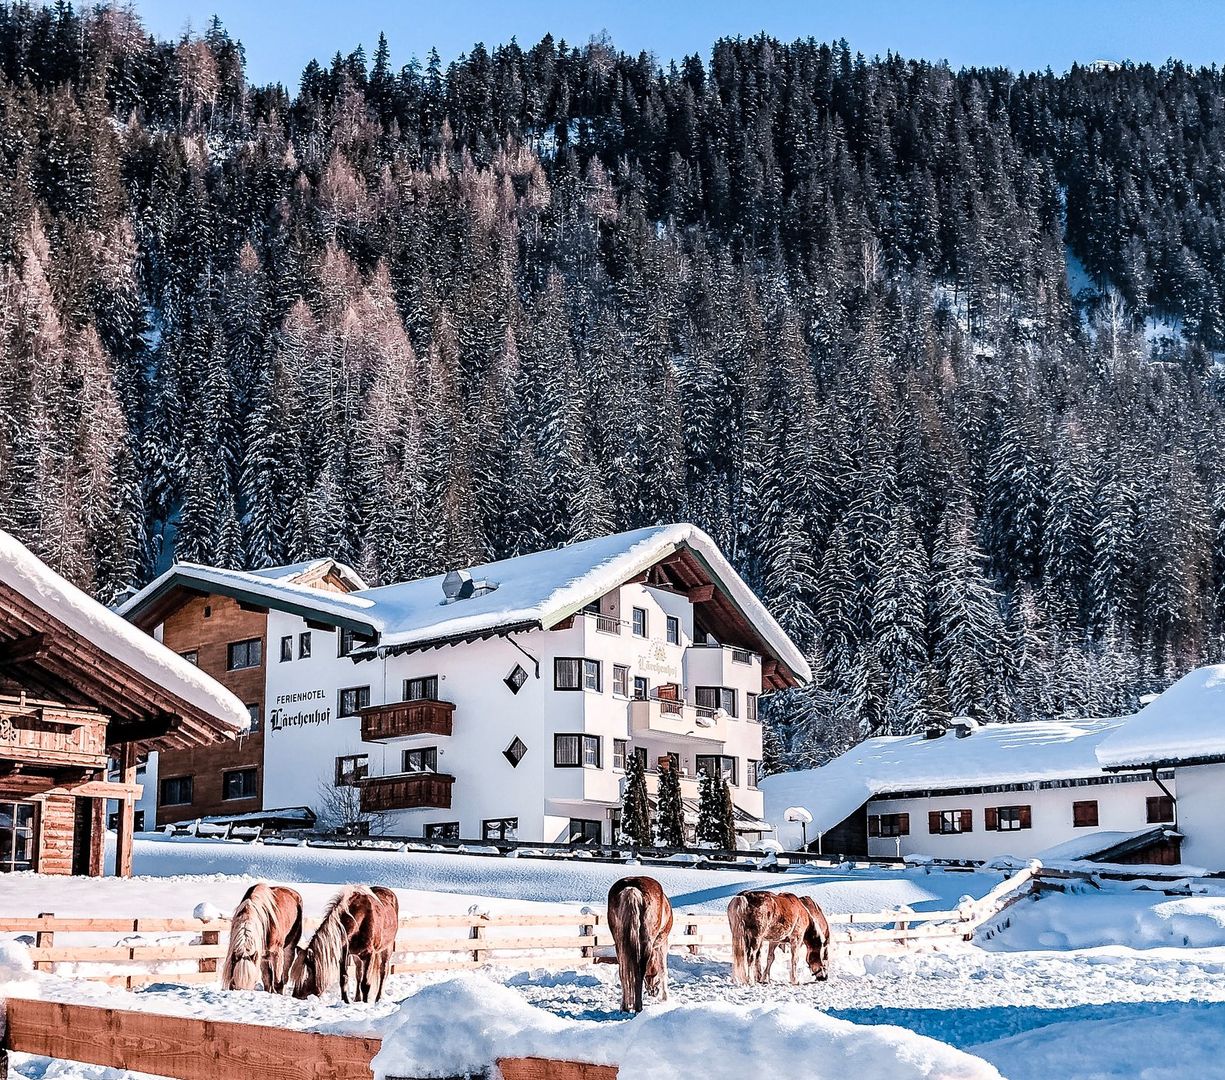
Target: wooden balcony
{"type": "Point", "coordinates": [407, 791]}
{"type": "Point", "coordinates": [400, 719]}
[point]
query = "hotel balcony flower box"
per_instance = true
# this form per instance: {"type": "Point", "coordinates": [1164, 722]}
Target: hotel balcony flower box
{"type": "Point", "coordinates": [406, 791]}
{"type": "Point", "coordinates": [674, 718]}
{"type": "Point", "coordinates": [401, 719]}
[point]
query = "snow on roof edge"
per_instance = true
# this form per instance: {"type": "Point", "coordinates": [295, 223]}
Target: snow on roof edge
{"type": "Point", "coordinates": [23, 571]}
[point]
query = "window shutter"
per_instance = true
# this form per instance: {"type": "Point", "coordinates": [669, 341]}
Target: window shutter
{"type": "Point", "coordinates": [1026, 818]}
{"type": "Point", "coordinates": [933, 821]}
{"type": "Point", "coordinates": [967, 820]}
{"type": "Point", "coordinates": [874, 825]}
{"type": "Point", "coordinates": [991, 819]}
{"type": "Point", "coordinates": [903, 824]}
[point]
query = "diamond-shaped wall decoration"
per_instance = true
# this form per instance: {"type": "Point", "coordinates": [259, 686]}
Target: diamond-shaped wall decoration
{"type": "Point", "coordinates": [516, 679]}
{"type": "Point", "coordinates": [514, 753]}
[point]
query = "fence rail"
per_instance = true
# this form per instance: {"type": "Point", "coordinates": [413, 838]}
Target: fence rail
{"type": "Point", "coordinates": [461, 942]}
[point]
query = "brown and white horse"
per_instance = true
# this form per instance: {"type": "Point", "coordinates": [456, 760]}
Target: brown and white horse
{"type": "Point", "coordinates": [360, 924]}
{"type": "Point", "coordinates": [264, 933]}
{"type": "Point", "coordinates": [640, 919]}
{"type": "Point", "coordinates": [765, 920]}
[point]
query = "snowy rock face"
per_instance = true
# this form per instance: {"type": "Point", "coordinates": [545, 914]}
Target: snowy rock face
{"type": "Point", "coordinates": [484, 1020]}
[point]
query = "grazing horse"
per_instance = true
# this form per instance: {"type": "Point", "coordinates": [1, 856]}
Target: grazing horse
{"type": "Point", "coordinates": [765, 919]}
{"type": "Point", "coordinates": [264, 934]}
{"type": "Point", "coordinates": [640, 919]}
{"type": "Point", "coordinates": [360, 924]}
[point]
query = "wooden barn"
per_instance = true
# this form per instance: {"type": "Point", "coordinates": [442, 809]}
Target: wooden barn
{"type": "Point", "coordinates": [80, 687]}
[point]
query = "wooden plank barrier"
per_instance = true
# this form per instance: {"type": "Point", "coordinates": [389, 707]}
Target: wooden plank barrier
{"type": "Point", "coordinates": [185, 1048]}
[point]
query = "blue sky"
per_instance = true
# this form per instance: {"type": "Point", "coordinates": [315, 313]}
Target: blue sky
{"type": "Point", "coordinates": [280, 37]}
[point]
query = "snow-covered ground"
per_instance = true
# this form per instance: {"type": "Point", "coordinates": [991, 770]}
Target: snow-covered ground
{"type": "Point", "coordinates": [1120, 982]}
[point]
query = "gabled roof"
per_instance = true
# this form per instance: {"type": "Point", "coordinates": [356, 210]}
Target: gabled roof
{"type": "Point", "coordinates": [1185, 724]}
{"type": "Point", "coordinates": [55, 638]}
{"type": "Point", "coordinates": [536, 591]}
{"type": "Point", "coordinates": [994, 754]}
{"type": "Point", "coordinates": [305, 573]}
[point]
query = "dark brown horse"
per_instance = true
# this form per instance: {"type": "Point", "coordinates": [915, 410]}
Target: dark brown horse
{"type": "Point", "coordinates": [360, 924]}
{"type": "Point", "coordinates": [640, 919]}
{"type": "Point", "coordinates": [762, 921]}
{"type": "Point", "coordinates": [264, 934]}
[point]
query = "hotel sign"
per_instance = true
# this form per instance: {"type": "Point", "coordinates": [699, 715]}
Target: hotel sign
{"type": "Point", "coordinates": [656, 661]}
{"type": "Point", "coordinates": [283, 715]}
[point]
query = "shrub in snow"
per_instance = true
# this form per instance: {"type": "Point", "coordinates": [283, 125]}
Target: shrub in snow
{"type": "Point", "coordinates": [206, 912]}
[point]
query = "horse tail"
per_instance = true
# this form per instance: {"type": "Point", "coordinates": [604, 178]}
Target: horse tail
{"type": "Point", "coordinates": [736, 917]}
{"type": "Point", "coordinates": [631, 938]}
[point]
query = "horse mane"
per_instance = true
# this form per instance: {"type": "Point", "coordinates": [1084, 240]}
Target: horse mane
{"type": "Point", "coordinates": [249, 931]}
{"type": "Point", "coordinates": [332, 936]}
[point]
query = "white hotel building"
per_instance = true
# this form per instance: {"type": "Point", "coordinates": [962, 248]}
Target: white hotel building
{"type": "Point", "coordinates": [500, 701]}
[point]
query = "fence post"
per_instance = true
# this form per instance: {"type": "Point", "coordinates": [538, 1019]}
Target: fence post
{"type": "Point", "coordinates": [209, 937]}
{"type": "Point", "coordinates": [477, 933]}
{"type": "Point", "coordinates": [691, 930]}
{"type": "Point", "coordinates": [587, 930]}
{"type": "Point", "coordinates": [44, 939]}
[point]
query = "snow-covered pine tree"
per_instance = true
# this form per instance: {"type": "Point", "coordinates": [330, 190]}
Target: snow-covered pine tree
{"type": "Point", "coordinates": [670, 810]}
{"type": "Point", "coordinates": [636, 828]}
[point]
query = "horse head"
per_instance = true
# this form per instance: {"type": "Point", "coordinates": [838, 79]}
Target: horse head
{"type": "Point", "coordinates": [304, 973]}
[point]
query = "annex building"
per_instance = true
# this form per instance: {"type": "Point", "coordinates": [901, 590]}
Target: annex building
{"type": "Point", "coordinates": [495, 701]}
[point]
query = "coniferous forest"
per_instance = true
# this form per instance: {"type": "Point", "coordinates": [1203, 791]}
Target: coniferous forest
{"type": "Point", "coordinates": [932, 354]}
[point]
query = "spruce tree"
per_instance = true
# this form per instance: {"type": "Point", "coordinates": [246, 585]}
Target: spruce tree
{"type": "Point", "coordinates": [636, 828]}
{"type": "Point", "coordinates": [670, 820]}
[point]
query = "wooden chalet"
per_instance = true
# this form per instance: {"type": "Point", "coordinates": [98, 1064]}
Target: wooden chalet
{"type": "Point", "coordinates": [78, 687]}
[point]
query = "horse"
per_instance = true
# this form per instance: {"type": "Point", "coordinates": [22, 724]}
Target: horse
{"type": "Point", "coordinates": [360, 924]}
{"type": "Point", "coordinates": [640, 919]}
{"type": "Point", "coordinates": [760, 919]}
{"type": "Point", "coordinates": [264, 934]}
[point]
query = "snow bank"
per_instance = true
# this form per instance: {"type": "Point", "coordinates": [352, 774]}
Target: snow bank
{"type": "Point", "coordinates": [716, 1041]}
{"type": "Point", "coordinates": [1184, 723]}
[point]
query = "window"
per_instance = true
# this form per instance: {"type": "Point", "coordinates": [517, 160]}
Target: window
{"type": "Point", "coordinates": [620, 748]}
{"type": "Point", "coordinates": [716, 765]}
{"type": "Point", "coordinates": [351, 769]}
{"type": "Point", "coordinates": [423, 688]}
{"type": "Point", "coordinates": [240, 784]}
{"type": "Point", "coordinates": [640, 622]}
{"type": "Point", "coordinates": [1084, 814]}
{"type": "Point", "coordinates": [176, 791]}
{"type": "Point", "coordinates": [499, 828]}
{"type": "Point", "coordinates": [567, 673]}
{"type": "Point", "coordinates": [347, 642]}
{"type": "Point", "coordinates": [642, 688]}
{"type": "Point", "coordinates": [515, 752]}
{"type": "Point", "coordinates": [752, 770]}
{"type": "Point", "coordinates": [640, 752]}
{"type": "Point", "coordinates": [889, 825]}
{"type": "Point", "coordinates": [286, 648]}
{"type": "Point", "coordinates": [750, 707]}
{"type": "Point", "coordinates": [674, 630]}
{"type": "Point", "coordinates": [949, 822]}
{"type": "Point", "coordinates": [711, 698]}
{"type": "Point", "coordinates": [442, 830]}
{"type": "Point", "coordinates": [621, 680]}
{"type": "Point", "coordinates": [1160, 809]}
{"type": "Point", "coordinates": [353, 699]}
{"type": "Point", "coordinates": [516, 679]}
{"type": "Point", "coordinates": [304, 645]}
{"type": "Point", "coordinates": [576, 751]}
{"type": "Point", "coordinates": [1008, 818]}
{"type": "Point", "coordinates": [593, 675]}
{"type": "Point", "coordinates": [191, 656]}
{"type": "Point", "coordinates": [244, 654]}
{"type": "Point", "coordinates": [586, 832]}
{"type": "Point", "coordinates": [254, 712]}
{"type": "Point", "coordinates": [16, 836]}
{"type": "Point", "coordinates": [424, 759]}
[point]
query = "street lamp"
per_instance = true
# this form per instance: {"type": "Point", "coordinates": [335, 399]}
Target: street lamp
{"type": "Point", "coordinates": [803, 817]}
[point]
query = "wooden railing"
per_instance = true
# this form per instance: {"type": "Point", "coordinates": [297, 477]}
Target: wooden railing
{"type": "Point", "coordinates": [406, 791]}
{"type": "Point", "coordinates": [459, 942]}
{"type": "Point", "coordinates": [400, 719]}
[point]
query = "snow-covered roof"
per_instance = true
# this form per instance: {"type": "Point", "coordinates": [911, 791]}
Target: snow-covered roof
{"type": "Point", "coordinates": [993, 754]}
{"type": "Point", "coordinates": [31, 578]}
{"type": "Point", "coordinates": [1186, 723]}
{"type": "Point", "coordinates": [537, 590]}
{"type": "Point", "coordinates": [312, 570]}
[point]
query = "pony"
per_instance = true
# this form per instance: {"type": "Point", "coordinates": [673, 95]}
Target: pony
{"type": "Point", "coordinates": [264, 934]}
{"type": "Point", "coordinates": [360, 924]}
{"type": "Point", "coordinates": [761, 920]}
{"type": "Point", "coordinates": [640, 919]}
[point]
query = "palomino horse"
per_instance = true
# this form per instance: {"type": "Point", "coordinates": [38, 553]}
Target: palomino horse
{"type": "Point", "coordinates": [765, 919]}
{"type": "Point", "coordinates": [640, 919]}
{"type": "Point", "coordinates": [360, 924]}
{"type": "Point", "coordinates": [264, 934]}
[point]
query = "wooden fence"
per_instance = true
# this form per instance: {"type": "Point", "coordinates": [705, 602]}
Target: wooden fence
{"type": "Point", "coordinates": [460, 942]}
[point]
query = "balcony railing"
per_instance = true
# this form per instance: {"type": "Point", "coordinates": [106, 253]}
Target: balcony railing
{"type": "Point", "coordinates": [407, 791]}
{"type": "Point", "coordinates": [400, 719]}
{"type": "Point", "coordinates": [675, 718]}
